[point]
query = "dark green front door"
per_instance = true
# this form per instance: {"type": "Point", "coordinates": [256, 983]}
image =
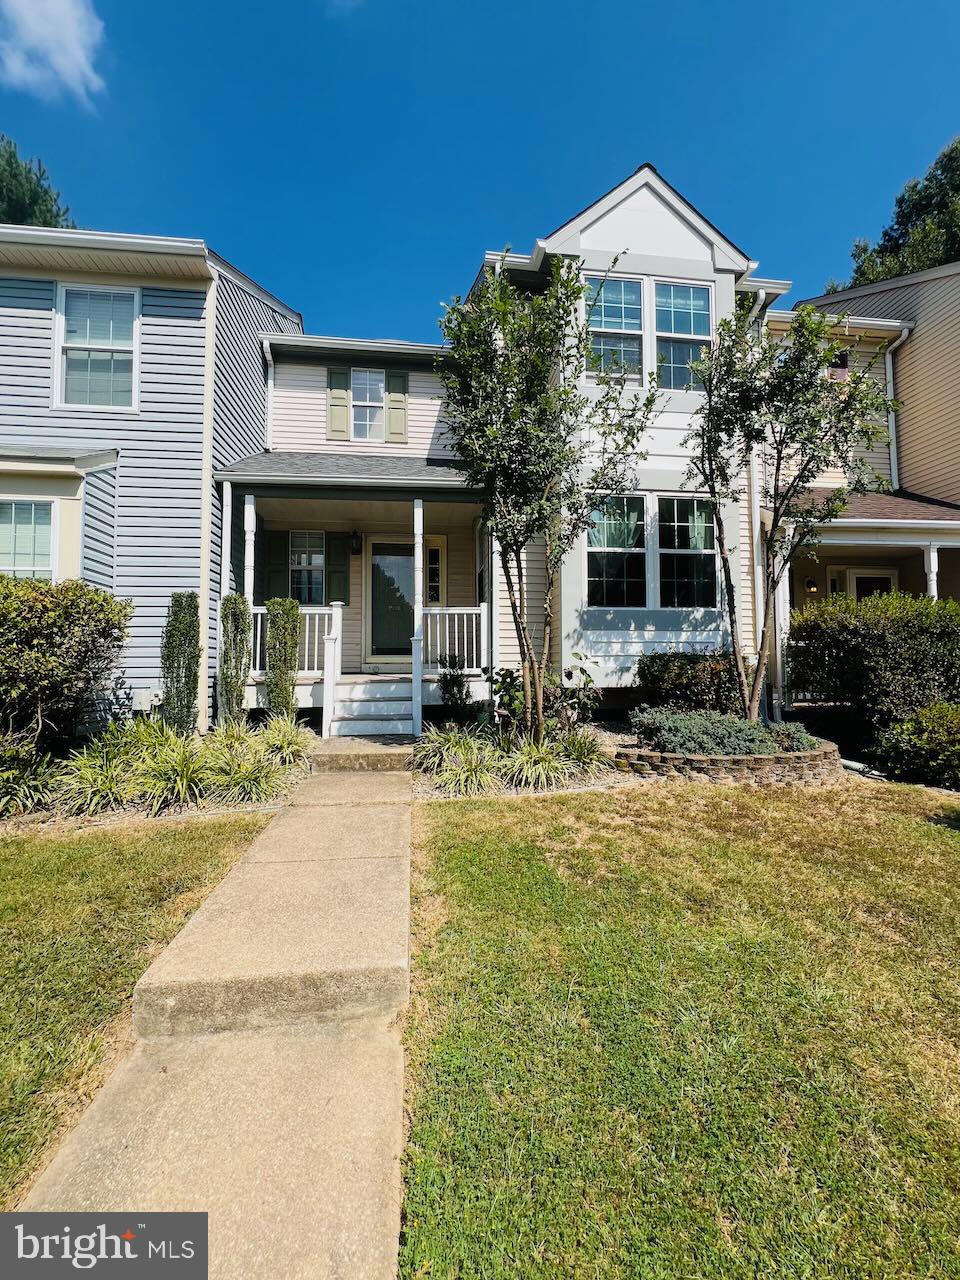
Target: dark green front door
{"type": "Point", "coordinates": [391, 599]}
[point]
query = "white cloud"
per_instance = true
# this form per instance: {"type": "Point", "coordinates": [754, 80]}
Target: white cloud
{"type": "Point", "coordinates": [48, 47]}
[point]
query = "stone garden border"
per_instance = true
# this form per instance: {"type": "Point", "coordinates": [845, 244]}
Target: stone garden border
{"type": "Point", "coordinates": [816, 767]}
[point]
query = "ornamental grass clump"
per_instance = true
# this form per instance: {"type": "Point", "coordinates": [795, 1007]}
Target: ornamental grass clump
{"type": "Point", "coordinates": [241, 771]}
{"type": "Point", "coordinates": [710, 733]}
{"type": "Point", "coordinates": [470, 761]}
{"type": "Point", "coordinates": [536, 766]}
{"type": "Point", "coordinates": [286, 741]}
{"type": "Point", "coordinates": [27, 779]}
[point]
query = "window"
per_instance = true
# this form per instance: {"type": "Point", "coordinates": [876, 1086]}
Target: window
{"type": "Point", "coordinates": [688, 568]}
{"type": "Point", "coordinates": [434, 576]}
{"type": "Point", "coordinates": [306, 566]}
{"type": "Point", "coordinates": [26, 539]}
{"type": "Point", "coordinates": [615, 311]}
{"type": "Point", "coordinates": [366, 387]}
{"type": "Point", "coordinates": [681, 309]}
{"type": "Point", "coordinates": [97, 357]}
{"type": "Point", "coordinates": [616, 560]}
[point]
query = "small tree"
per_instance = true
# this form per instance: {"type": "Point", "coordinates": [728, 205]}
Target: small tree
{"type": "Point", "coordinates": [236, 629]}
{"type": "Point", "coordinates": [180, 661]}
{"type": "Point", "coordinates": [26, 195]}
{"type": "Point", "coordinates": [776, 399]}
{"type": "Point", "coordinates": [542, 447]}
{"type": "Point", "coordinates": [283, 655]}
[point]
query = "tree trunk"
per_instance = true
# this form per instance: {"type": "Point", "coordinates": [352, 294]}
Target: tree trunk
{"type": "Point", "coordinates": [516, 596]}
{"type": "Point", "coordinates": [763, 651]}
{"type": "Point", "coordinates": [743, 683]}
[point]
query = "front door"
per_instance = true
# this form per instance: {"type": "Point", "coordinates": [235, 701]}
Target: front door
{"type": "Point", "coordinates": [391, 600]}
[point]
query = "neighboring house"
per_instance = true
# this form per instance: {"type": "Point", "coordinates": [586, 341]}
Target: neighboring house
{"type": "Point", "coordinates": [130, 369]}
{"type": "Point", "coordinates": [166, 425]}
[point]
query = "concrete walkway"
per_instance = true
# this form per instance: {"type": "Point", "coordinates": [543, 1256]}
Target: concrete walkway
{"type": "Point", "coordinates": [266, 1087]}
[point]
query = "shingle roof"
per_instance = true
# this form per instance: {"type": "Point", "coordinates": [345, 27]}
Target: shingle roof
{"type": "Point", "coordinates": [896, 506]}
{"type": "Point", "coordinates": [358, 467]}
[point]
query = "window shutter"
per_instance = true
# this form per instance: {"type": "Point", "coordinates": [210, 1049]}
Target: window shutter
{"type": "Point", "coordinates": [396, 408]}
{"type": "Point", "coordinates": [337, 567]}
{"type": "Point", "coordinates": [338, 404]}
{"type": "Point", "coordinates": [276, 562]}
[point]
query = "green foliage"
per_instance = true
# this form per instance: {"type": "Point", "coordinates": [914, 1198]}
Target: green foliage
{"type": "Point", "coordinates": [59, 644]}
{"type": "Point", "coordinates": [538, 444]}
{"type": "Point", "coordinates": [584, 751]}
{"type": "Point", "coordinates": [569, 697]}
{"type": "Point", "coordinates": [96, 779]}
{"type": "Point", "coordinates": [536, 766]}
{"type": "Point", "coordinates": [470, 761]}
{"type": "Point", "coordinates": [470, 766]}
{"type": "Point", "coordinates": [925, 747]}
{"type": "Point", "coordinates": [174, 776]}
{"type": "Point", "coordinates": [925, 229]}
{"type": "Point", "coordinates": [180, 661]}
{"type": "Point", "coordinates": [240, 770]}
{"type": "Point", "coordinates": [710, 733]}
{"type": "Point", "coordinates": [27, 779]}
{"type": "Point", "coordinates": [286, 741]}
{"type": "Point", "coordinates": [771, 398]}
{"type": "Point", "coordinates": [236, 631]}
{"type": "Point", "coordinates": [884, 657]}
{"type": "Point", "coordinates": [452, 684]}
{"type": "Point", "coordinates": [690, 681]}
{"type": "Point", "coordinates": [283, 655]}
{"type": "Point", "coordinates": [26, 197]}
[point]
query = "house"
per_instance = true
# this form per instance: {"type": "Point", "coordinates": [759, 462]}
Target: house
{"type": "Point", "coordinates": [130, 370]}
{"type": "Point", "coordinates": [165, 424]}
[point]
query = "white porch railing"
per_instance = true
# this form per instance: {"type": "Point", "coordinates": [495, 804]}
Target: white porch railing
{"type": "Point", "coordinates": [460, 634]}
{"type": "Point", "coordinates": [316, 623]}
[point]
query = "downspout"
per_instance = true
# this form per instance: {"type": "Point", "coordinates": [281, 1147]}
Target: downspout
{"type": "Point", "coordinates": [892, 415]}
{"type": "Point", "coordinates": [268, 415]}
{"type": "Point", "coordinates": [206, 506]}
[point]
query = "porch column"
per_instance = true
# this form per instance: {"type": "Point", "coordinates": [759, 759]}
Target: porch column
{"type": "Point", "coordinates": [249, 543]}
{"type": "Point", "coordinates": [226, 536]}
{"type": "Point", "coordinates": [416, 644]}
{"type": "Point", "coordinates": [931, 564]}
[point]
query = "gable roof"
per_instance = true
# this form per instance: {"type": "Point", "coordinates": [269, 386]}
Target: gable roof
{"type": "Point", "coordinates": [647, 175]}
{"type": "Point", "coordinates": [891, 282]}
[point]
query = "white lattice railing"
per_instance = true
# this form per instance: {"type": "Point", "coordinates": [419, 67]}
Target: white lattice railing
{"type": "Point", "coordinates": [316, 623]}
{"type": "Point", "coordinates": [460, 634]}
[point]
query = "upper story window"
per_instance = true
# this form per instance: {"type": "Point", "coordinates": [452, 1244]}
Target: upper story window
{"type": "Point", "coordinates": [615, 320]}
{"type": "Point", "coordinates": [366, 392]}
{"type": "Point", "coordinates": [616, 559]}
{"type": "Point", "coordinates": [307, 548]}
{"type": "Point", "coordinates": [26, 539]}
{"type": "Point", "coordinates": [688, 561]}
{"type": "Point", "coordinates": [682, 309]}
{"type": "Point", "coordinates": [97, 356]}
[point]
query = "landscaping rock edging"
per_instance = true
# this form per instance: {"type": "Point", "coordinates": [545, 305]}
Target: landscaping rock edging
{"type": "Point", "coordinates": [816, 767]}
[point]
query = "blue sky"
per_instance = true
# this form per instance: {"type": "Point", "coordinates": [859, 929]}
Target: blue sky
{"type": "Point", "coordinates": [357, 156]}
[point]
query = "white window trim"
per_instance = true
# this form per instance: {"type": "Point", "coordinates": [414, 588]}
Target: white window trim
{"type": "Point", "coordinates": [652, 550]}
{"type": "Point", "coordinates": [290, 566]}
{"type": "Point", "coordinates": [858, 571]}
{"type": "Point", "coordinates": [369, 404]}
{"type": "Point", "coordinates": [705, 340]}
{"type": "Point", "coordinates": [54, 504]}
{"type": "Point", "coordinates": [56, 387]}
{"type": "Point", "coordinates": [641, 333]}
{"type": "Point", "coordinates": [644, 551]}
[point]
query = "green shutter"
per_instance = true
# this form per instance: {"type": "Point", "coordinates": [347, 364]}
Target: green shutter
{"type": "Point", "coordinates": [337, 567]}
{"type": "Point", "coordinates": [276, 577]}
{"type": "Point", "coordinates": [338, 404]}
{"type": "Point", "coordinates": [396, 408]}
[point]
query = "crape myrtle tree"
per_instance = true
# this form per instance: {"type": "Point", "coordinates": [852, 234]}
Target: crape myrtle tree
{"type": "Point", "coordinates": [774, 397]}
{"type": "Point", "coordinates": [542, 446]}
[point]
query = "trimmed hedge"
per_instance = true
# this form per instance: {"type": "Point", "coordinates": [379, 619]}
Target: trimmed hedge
{"type": "Point", "coordinates": [180, 661]}
{"type": "Point", "coordinates": [692, 681]}
{"type": "Point", "coordinates": [710, 733]}
{"type": "Point", "coordinates": [924, 748]}
{"type": "Point", "coordinates": [883, 658]}
{"type": "Point", "coordinates": [59, 645]}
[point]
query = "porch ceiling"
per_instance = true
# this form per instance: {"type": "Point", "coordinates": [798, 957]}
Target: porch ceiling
{"type": "Point", "coordinates": [364, 515]}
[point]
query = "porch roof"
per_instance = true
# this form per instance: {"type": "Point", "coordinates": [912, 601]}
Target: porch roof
{"type": "Point", "coordinates": [358, 469]}
{"type": "Point", "coordinates": [884, 507]}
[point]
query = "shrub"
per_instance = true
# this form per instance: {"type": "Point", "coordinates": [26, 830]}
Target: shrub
{"type": "Point", "coordinates": [95, 780]}
{"type": "Point", "coordinates": [236, 632]}
{"type": "Point", "coordinates": [180, 661]}
{"type": "Point", "coordinates": [59, 645]}
{"type": "Point", "coordinates": [174, 775]}
{"type": "Point", "coordinates": [239, 770]}
{"type": "Point", "coordinates": [536, 766]}
{"type": "Point", "coordinates": [583, 750]}
{"type": "Point", "coordinates": [792, 737]}
{"type": "Point", "coordinates": [925, 747]}
{"type": "Point", "coordinates": [283, 654]}
{"type": "Point", "coordinates": [285, 741]}
{"type": "Point", "coordinates": [569, 697]}
{"type": "Point", "coordinates": [27, 779]}
{"type": "Point", "coordinates": [884, 657]}
{"type": "Point", "coordinates": [452, 684]}
{"type": "Point", "coordinates": [691, 681]}
{"type": "Point", "coordinates": [710, 733]}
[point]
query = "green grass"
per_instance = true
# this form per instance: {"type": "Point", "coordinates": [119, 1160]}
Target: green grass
{"type": "Point", "coordinates": [81, 915]}
{"type": "Point", "coordinates": [686, 1032]}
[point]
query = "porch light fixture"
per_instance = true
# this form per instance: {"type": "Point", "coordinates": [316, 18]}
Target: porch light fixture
{"type": "Point", "coordinates": [810, 587]}
{"type": "Point", "coordinates": [356, 543]}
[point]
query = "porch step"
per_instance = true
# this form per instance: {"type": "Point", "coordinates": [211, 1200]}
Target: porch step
{"type": "Point", "coordinates": [387, 708]}
{"type": "Point", "coordinates": [374, 687]}
{"type": "Point", "coordinates": [365, 725]}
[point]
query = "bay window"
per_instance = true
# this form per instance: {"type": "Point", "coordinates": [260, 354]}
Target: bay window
{"type": "Point", "coordinates": [688, 563]}
{"type": "Point", "coordinates": [616, 558]}
{"type": "Point", "coordinates": [615, 321]}
{"type": "Point", "coordinates": [26, 539]}
{"type": "Point", "coordinates": [97, 356]}
{"type": "Point", "coordinates": [683, 316]}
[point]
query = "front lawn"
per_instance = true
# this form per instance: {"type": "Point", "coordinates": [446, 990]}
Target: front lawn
{"type": "Point", "coordinates": [681, 1031]}
{"type": "Point", "coordinates": [81, 915]}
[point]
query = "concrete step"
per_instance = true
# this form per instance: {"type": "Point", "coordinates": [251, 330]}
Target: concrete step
{"type": "Point", "coordinates": [290, 1142]}
{"type": "Point", "coordinates": [364, 726]}
{"type": "Point", "coordinates": [360, 755]}
{"type": "Point", "coordinates": [374, 687]}
{"type": "Point", "coordinates": [386, 708]}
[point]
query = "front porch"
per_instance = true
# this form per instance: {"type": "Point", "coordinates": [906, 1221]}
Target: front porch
{"type": "Point", "coordinates": [391, 590]}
